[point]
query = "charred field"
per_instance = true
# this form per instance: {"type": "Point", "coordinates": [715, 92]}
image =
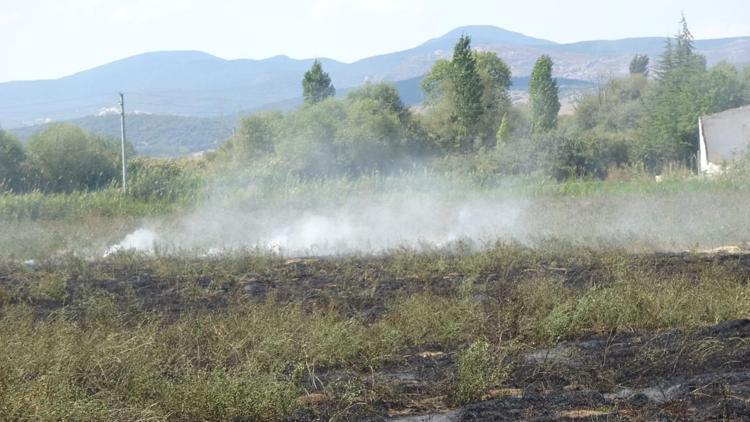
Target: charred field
{"type": "Point", "coordinates": [507, 333]}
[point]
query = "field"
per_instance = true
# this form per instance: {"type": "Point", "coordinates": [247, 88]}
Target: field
{"type": "Point", "coordinates": [581, 300]}
{"type": "Point", "coordinates": [506, 333]}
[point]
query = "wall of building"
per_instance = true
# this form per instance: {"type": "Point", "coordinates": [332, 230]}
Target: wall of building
{"type": "Point", "coordinates": [726, 135]}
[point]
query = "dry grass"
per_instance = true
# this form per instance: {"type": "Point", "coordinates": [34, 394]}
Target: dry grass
{"type": "Point", "coordinates": [133, 338]}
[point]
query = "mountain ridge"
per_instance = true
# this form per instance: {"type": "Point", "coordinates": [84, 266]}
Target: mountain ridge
{"type": "Point", "coordinates": [195, 83]}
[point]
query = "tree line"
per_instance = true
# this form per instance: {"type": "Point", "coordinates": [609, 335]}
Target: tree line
{"type": "Point", "coordinates": [647, 120]}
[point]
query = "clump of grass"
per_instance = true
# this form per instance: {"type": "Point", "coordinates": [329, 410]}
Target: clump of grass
{"type": "Point", "coordinates": [427, 319]}
{"type": "Point", "coordinates": [478, 368]}
{"type": "Point", "coordinates": [648, 301]}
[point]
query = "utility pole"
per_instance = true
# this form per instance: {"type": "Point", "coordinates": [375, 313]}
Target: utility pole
{"type": "Point", "coordinates": [122, 140]}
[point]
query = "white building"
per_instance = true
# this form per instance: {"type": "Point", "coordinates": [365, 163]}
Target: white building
{"type": "Point", "coordinates": [724, 137]}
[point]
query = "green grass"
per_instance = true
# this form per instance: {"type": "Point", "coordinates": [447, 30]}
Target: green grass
{"type": "Point", "coordinates": [77, 205]}
{"type": "Point", "coordinates": [254, 189]}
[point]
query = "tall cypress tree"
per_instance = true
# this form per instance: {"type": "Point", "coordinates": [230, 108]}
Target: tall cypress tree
{"type": "Point", "coordinates": [666, 62]}
{"type": "Point", "coordinates": [316, 85]}
{"type": "Point", "coordinates": [669, 130]}
{"type": "Point", "coordinates": [685, 47]}
{"type": "Point", "coordinates": [544, 99]}
{"type": "Point", "coordinates": [467, 93]}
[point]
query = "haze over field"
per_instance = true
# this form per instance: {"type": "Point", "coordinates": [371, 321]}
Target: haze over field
{"type": "Point", "coordinates": [424, 214]}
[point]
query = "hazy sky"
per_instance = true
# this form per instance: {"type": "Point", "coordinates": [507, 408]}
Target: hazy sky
{"type": "Point", "coordinates": [53, 38]}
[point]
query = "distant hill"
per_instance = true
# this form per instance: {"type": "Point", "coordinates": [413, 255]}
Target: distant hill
{"type": "Point", "coordinates": [171, 135]}
{"type": "Point", "coordinates": [193, 83]}
{"type": "Point", "coordinates": [154, 135]}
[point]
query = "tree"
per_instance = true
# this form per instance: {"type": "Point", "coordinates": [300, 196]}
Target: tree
{"type": "Point", "coordinates": [467, 93]}
{"type": "Point", "coordinates": [666, 63]}
{"type": "Point", "coordinates": [669, 130]}
{"type": "Point", "coordinates": [257, 134]}
{"type": "Point", "coordinates": [370, 137]}
{"type": "Point", "coordinates": [385, 94]}
{"type": "Point", "coordinates": [306, 139]}
{"type": "Point", "coordinates": [679, 55]}
{"type": "Point", "coordinates": [639, 65]}
{"type": "Point", "coordinates": [316, 85]}
{"type": "Point", "coordinates": [723, 88]}
{"type": "Point", "coordinates": [544, 103]}
{"type": "Point", "coordinates": [610, 118]}
{"type": "Point", "coordinates": [64, 158]}
{"type": "Point", "coordinates": [496, 83]}
{"type": "Point", "coordinates": [458, 113]}
{"type": "Point", "coordinates": [12, 157]}
{"type": "Point", "coordinates": [684, 48]}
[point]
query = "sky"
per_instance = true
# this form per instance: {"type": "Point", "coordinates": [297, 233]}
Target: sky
{"type": "Point", "coordinates": [42, 39]}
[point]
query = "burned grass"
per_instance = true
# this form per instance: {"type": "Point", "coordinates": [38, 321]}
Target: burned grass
{"type": "Point", "coordinates": [506, 333]}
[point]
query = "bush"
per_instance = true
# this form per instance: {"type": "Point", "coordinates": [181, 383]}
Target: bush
{"type": "Point", "coordinates": [65, 158]}
{"type": "Point", "coordinates": [161, 179]}
{"type": "Point", "coordinates": [573, 157]}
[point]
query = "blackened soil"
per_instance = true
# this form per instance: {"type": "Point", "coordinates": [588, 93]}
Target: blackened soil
{"type": "Point", "coordinates": [669, 375]}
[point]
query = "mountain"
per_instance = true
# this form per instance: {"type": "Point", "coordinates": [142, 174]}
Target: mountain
{"type": "Point", "coordinates": [171, 135]}
{"type": "Point", "coordinates": [153, 135]}
{"type": "Point", "coordinates": [197, 84]}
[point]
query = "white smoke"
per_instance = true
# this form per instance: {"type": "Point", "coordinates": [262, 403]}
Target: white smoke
{"type": "Point", "coordinates": [355, 227]}
{"type": "Point", "coordinates": [141, 240]}
{"type": "Point", "coordinates": [434, 218]}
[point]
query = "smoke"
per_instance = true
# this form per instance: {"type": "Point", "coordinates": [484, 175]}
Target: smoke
{"type": "Point", "coordinates": [436, 216]}
{"type": "Point", "coordinates": [142, 240]}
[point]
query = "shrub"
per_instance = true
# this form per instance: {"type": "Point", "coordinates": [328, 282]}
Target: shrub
{"type": "Point", "coordinates": [165, 180]}
{"type": "Point", "coordinates": [65, 158]}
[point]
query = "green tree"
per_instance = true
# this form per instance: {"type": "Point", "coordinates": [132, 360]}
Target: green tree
{"type": "Point", "coordinates": [467, 93]}
{"type": "Point", "coordinates": [385, 94]}
{"type": "Point", "coordinates": [723, 88]}
{"type": "Point", "coordinates": [306, 140]}
{"type": "Point", "coordinates": [544, 103]}
{"type": "Point", "coordinates": [573, 157]}
{"type": "Point", "coordinates": [666, 61]}
{"type": "Point", "coordinates": [639, 65]}
{"type": "Point", "coordinates": [496, 82]}
{"type": "Point", "coordinates": [669, 129]}
{"type": "Point", "coordinates": [64, 158]}
{"type": "Point", "coordinates": [257, 134]}
{"type": "Point", "coordinates": [683, 54]}
{"type": "Point", "coordinates": [316, 85]}
{"type": "Point", "coordinates": [447, 118]}
{"type": "Point", "coordinates": [610, 118]}
{"type": "Point", "coordinates": [370, 137]}
{"type": "Point", "coordinates": [12, 157]}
